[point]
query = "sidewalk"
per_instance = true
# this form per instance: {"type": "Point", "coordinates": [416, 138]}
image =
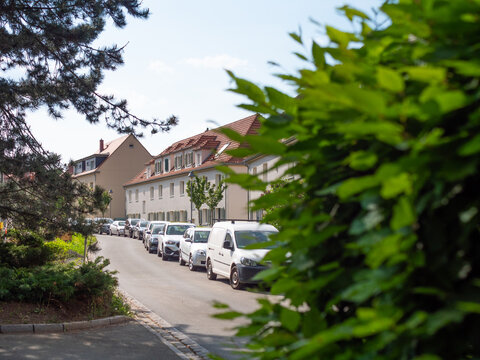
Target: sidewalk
{"type": "Point", "coordinates": [146, 337]}
{"type": "Point", "coordinates": [127, 341]}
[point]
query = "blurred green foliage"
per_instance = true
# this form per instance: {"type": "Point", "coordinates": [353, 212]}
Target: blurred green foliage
{"type": "Point", "coordinates": [380, 245]}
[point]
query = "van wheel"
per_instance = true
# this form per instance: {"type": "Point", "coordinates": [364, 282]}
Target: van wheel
{"type": "Point", "coordinates": [235, 279]}
{"type": "Point", "coordinates": [210, 274]}
{"type": "Point", "coordinates": [181, 262]}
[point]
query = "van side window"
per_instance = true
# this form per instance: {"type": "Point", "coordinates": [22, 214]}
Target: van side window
{"type": "Point", "coordinates": [228, 238]}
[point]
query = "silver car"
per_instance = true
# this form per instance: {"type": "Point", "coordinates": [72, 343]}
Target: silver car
{"type": "Point", "coordinates": [117, 228]}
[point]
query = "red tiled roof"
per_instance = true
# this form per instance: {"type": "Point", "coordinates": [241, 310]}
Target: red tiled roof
{"type": "Point", "coordinates": [208, 140]}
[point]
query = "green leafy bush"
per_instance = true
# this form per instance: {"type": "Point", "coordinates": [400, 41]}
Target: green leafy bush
{"type": "Point", "coordinates": [25, 249]}
{"type": "Point", "coordinates": [380, 255]}
{"type": "Point", "coordinates": [60, 282]}
{"type": "Point", "coordinates": [65, 249]}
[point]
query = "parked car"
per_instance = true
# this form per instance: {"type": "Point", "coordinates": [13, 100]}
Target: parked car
{"type": "Point", "coordinates": [193, 247]}
{"type": "Point", "coordinates": [152, 243]}
{"type": "Point", "coordinates": [139, 229]}
{"type": "Point", "coordinates": [129, 225]}
{"type": "Point", "coordinates": [103, 225]}
{"type": "Point", "coordinates": [227, 254]}
{"type": "Point", "coordinates": [147, 233]}
{"type": "Point", "coordinates": [170, 239]}
{"type": "Point", "coordinates": [117, 228]}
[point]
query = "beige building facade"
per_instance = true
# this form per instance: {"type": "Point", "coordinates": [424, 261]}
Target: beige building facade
{"type": "Point", "coordinates": [159, 191]}
{"type": "Point", "coordinates": [110, 167]}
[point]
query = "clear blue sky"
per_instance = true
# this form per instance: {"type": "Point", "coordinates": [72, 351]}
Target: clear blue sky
{"type": "Point", "coordinates": [175, 61]}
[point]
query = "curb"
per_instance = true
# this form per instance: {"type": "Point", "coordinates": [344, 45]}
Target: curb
{"type": "Point", "coordinates": [62, 327]}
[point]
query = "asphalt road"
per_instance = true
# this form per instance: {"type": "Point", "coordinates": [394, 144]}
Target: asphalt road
{"type": "Point", "coordinates": [181, 297]}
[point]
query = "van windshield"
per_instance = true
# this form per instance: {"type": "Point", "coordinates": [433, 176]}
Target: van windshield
{"type": "Point", "coordinates": [250, 237]}
{"type": "Point", "coordinates": [177, 229]}
{"type": "Point", "coordinates": [134, 222]}
{"type": "Point", "coordinates": [144, 224]}
{"type": "Point", "coordinates": [201, 236]}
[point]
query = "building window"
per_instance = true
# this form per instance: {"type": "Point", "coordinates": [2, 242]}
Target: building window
{"type": "Point", "coordinates": [254, 171]}
{"type": "Point", "coordinates": [265, 170]}
{"type": "Point", "coordinates": [158, 166]}
{"type": "Point", "coordinates": [189, 159]}
{"type": "Point", "coordinates": [136, 195]}
{"type": "Point", "coordinates": [166, 167]}
{"type": "Point", "coordinates": [172, 189]}
{"type": "Point", "coordinates": [218, 179]}
{"type": "Point", "coordinates": [91, 185]}
{"type": "Point", "coordinates": [129, 196]}
{"type": "Point", "coordinates": [182, 188]}
{"type": "Point", "coordinates": [144, 207]}
{"type": "Point", "coordinates": [152, 193]}
{"type": "Point", "coordinates": [199, 159]}
{"type": "Point", "coordinates": [78, 168]}
{"type": "Point", "coordinates": [179, 161]}
{"type": "Point", "coordinates": [160, 191]}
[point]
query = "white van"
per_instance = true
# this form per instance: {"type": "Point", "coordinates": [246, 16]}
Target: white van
{"type": "Point", "coordinates": [226, 253]}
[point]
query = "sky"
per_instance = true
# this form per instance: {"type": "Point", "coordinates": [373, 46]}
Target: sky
{"type": "Point", "coordinates": [175, 64]}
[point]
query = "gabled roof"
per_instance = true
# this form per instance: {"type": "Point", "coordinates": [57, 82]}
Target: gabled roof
{"type": "Point", "coordinates": [107, 151]}
{"type": "Point", "coordinates": [210, 140]}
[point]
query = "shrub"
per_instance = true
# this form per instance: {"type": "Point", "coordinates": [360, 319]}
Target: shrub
{"type": "Point", "coordinates": [25, 249]}
{"type": "Point", "coordinates": [380, 255]}
{"type": "Point", "coordinates": [60, 282]}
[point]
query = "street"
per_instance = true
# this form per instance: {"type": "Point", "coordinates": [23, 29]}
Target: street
{"type": "Point", "coordinates": [181, 297]}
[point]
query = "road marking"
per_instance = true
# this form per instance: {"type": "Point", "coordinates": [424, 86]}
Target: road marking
{"type": "Point", "coordinates": [178, 342]}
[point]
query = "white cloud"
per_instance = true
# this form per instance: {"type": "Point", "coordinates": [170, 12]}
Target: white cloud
{"type": "Point", "coordinates": [160, 67]}
{"type": "Point", "coordinates": [222, 61]}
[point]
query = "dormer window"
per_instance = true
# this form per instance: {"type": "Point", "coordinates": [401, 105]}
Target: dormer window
{"type": "Point", "coordinates": [78, 168]}
{"type": "Point", "coordinates": [199, 159]}
{"type": "Point", "coordinates": [166, 163]}
{"type": "Point", "coordinates": [149, 172]}
{"type": "Point", "coordinates": [178, 161]}
{"type": "Point", "coordinates": [158, 166]}
{"type": "Point", "coordinates": [189, 159]}
{"type": "Point", "coordinates": [90, 164]}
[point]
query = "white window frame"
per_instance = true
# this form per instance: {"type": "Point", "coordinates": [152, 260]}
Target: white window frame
{"type": "Point", "coordinates": [160, 191]}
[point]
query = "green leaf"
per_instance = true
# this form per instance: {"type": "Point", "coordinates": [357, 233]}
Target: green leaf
{"type": "Point", "coordinates": [350, 13]}
{"type": "Point", "coordinates": [394, 186]}
{"type": "Point", "coordinates": [340, 37]}
{"type": "Point", "coordinates": [283, 285]}
{"type": "Point", "coordinates": [427, 357]}
{"type": "Point", "coordinates": [280, 100]}
{"type": "Point", "coordinates": [470, 307]}
{"type": "Point", "coordinates": [390, 80]}
{"type": "Point", "coordinates": [354, 186]}
{"type": "Point", "coordinates": [470, 147]}
{"type": "Point", "coordinates": [228, 315]}
{"type": "Point", "coordinates": [361, 160]}
{"type": "Point", "coordinates": [247, 88]}
{"type": "Point", "coordinates": [318, 55]}
{"type": "Point", "coordinates": [296, 37]}
{"type": "Point", "coordinates": [290, 319]}
{"type": "Point", "coordinates": [383, 250]}
{"type": "Point", "coordinates": [403, 214]}
{"type": "Point", "coordinates": [427, 74]}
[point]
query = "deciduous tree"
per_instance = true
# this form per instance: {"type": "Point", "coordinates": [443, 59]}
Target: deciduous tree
{"type": "Point", "coordinates": [380, 256]}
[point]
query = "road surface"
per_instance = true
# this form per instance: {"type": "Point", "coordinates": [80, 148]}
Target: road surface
{"type": "Point", "coordinates": [181, 297]}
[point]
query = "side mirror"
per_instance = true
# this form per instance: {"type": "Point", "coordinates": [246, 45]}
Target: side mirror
{"type": "Point", "coordinates": [188, 240]}
{"type": "Point", "coordinates": [227, 245]}
{"type": "Point", "coordinates": [149, 232]}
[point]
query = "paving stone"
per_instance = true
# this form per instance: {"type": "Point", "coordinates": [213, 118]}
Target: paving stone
{"type": "Point", "coordinates": [16, 328]}
{"type": "Point", "coordinates": [47, 328]}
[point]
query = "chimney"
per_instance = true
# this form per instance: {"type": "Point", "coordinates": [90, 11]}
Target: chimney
{"type": "Point", "coordinates": [101, 145]}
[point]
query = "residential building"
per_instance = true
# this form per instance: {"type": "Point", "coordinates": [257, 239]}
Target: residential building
{"type": "Point", "coordinates": [110, 167]}
{"type": "Point", "coordinates": [159, 191]}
